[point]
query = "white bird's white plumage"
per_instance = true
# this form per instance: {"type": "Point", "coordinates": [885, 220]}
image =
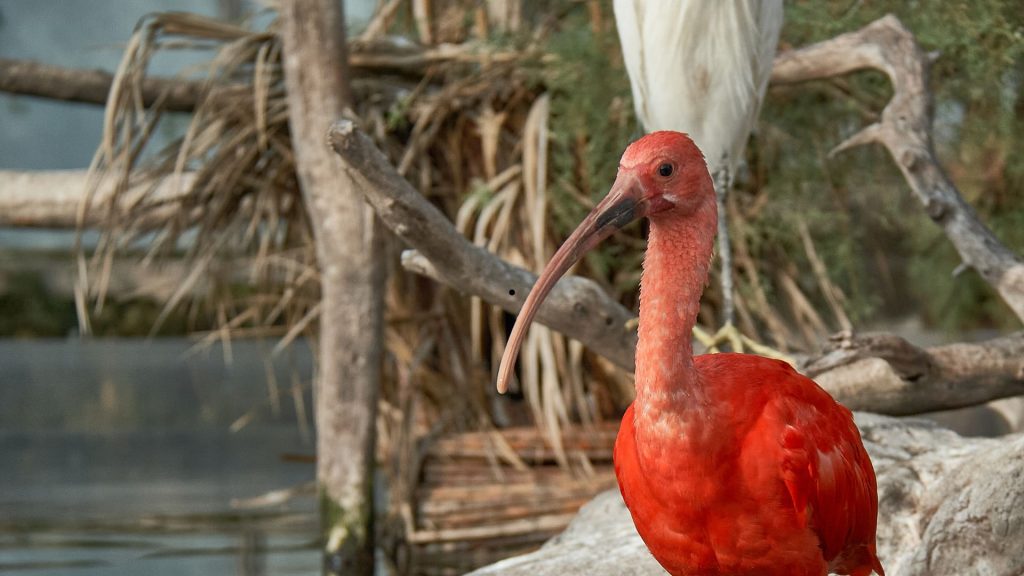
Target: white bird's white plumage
{"type": "Point", "coordinates": [700, 67]}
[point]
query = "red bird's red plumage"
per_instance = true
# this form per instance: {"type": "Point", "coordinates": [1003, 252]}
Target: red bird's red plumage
{"type": "Point", "coordinates": [730, 464]}
{"type": "Point", "coordinates": [769, 478]}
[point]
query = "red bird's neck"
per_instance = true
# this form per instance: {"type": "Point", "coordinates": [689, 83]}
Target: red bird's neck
{"type": "Point", "coordinates": [675, 272]}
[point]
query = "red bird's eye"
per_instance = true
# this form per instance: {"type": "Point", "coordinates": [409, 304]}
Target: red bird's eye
{"type": "Point", "coordinates": [665, 170]}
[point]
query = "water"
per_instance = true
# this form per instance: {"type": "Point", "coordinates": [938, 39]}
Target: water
{"type": "Point", "coordinates": [119, 457]}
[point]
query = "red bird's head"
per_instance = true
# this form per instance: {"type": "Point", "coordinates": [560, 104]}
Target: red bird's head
{"type": "Point", "coordinates": [660, 175]}
{"type": "Point", "coordinates": [663, 171]}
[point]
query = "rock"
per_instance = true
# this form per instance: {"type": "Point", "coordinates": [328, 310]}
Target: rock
{"type": "Point", "coordinates": [600, 541]}
{"type": "Point", "coordinates": [948, 505]}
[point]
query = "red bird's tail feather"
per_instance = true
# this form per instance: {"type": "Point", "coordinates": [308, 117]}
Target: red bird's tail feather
{"type": "Point", "coordinates": [873, 567]}
{"type": "Point", "coordinates": [860, 562]}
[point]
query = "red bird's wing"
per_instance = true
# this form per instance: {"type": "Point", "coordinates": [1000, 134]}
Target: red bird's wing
{"type": "Point", "coordinates": [829, 476]}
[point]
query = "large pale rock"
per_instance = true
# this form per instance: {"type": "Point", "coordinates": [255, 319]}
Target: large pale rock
{"type": "Point", "coordinates": [948, 505]}
{"type": "Point", "coordinates": [600, 541]}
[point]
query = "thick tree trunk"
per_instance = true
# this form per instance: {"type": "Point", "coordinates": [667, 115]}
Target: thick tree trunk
{"type": "Point", "coordinates": [347, 242]}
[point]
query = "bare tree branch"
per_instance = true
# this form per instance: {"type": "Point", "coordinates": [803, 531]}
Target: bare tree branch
{"type": "Point", "coordinates": [576, 306]}
{"type": "Point", "coordinates": [877, 373]}
{"type": "Point", "coordinates": [379, 56]}
{"type": "Point", "coordinates": [90, 86]}
{"type": "Point", "coordinates": [905, 130]}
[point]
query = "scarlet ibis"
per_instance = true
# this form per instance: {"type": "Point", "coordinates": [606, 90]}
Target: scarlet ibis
{"type": "Point", "coordinates": [702, 68]}
{"type": "Point", "coordinates": [730, 464]}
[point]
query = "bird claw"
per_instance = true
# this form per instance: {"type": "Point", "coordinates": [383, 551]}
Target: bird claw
{"type": "Point", "coordinates": [738, 342]}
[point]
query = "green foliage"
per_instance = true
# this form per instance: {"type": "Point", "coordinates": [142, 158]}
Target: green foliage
{"type": "Point", "coordinates": [136, 318]}
{"type": "Point", "coordinates": [28, 310]}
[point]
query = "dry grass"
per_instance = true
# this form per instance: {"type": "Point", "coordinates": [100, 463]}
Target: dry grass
{"type": "Point", "coordinates": [234, 168]}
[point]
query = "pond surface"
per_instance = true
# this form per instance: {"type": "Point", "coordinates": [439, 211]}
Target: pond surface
{"type": "Point", "coordinates": [125, 457]}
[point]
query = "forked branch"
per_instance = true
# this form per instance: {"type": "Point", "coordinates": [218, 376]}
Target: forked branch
{"type": "Point", "coordinates": [905, 130]}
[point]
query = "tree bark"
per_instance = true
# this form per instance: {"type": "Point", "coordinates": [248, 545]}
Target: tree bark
{"type": "Point", "coordinates": [352, 276]}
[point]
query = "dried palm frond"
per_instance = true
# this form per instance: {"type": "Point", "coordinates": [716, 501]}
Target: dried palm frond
{"type": "Point", "coordinates": [232, 172]}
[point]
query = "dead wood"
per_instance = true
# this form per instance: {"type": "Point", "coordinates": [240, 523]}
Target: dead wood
{"type": "Point", "coordinates": [529, 446]}
{"type": "Point", "coordinates": [876, 373]}
{"type": "Point", "coordinates": [905, 130]}
{"type": "Point", "coordinates": [368, 56]}
{"type": "Point", "coordinates": [352, 270]}
{"type": "Point", "coordinates": [577, 307]}
{"type": "Point", "coordinates": [53, 198]}
{"type": "Point", "coordinates": [31, 78]}
{"type": "Point", "coordinates": [884, 373]}
{"type": "Point", "coordinates": [473, 506]}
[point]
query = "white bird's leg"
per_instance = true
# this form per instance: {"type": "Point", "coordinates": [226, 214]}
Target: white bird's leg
{"type": "Point", "coordinates": [728, 333]}
{"type": "Point", "coordinates": [723, 182]}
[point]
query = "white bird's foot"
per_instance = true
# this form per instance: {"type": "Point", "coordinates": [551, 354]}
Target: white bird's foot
{"type": "Point", "coordinates": [738, 342]}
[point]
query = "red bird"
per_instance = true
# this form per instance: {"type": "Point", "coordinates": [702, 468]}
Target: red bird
{"type": "Point", "coordinates": [730, 464]}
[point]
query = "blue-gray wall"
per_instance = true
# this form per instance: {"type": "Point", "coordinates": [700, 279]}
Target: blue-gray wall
{"type": "Point", "coordinates": [37, 134]}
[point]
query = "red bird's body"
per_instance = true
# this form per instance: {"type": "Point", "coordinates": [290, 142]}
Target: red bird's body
{"type": "Point", "coordinates": [730, 464]}
{"type": "Point", "coordinates": [765, 474]}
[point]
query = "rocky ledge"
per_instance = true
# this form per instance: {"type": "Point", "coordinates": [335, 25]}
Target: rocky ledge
{"type": "Point", "coordinates": [948, 506]}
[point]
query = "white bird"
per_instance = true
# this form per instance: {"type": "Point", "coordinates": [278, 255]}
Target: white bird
{"type": "Point", "coordinates": [702, 67]}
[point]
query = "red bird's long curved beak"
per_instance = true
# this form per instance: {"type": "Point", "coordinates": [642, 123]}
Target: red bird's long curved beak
{"type": "Point", "coordinates": [625, 203]}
